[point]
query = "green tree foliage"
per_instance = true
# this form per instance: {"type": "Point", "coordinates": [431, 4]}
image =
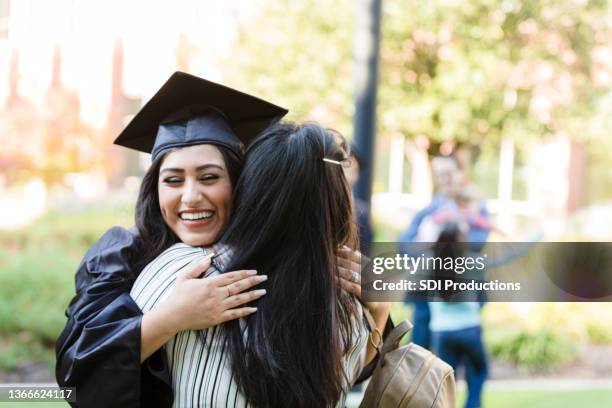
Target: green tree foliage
{"type": "Point", "coordinates": [467, 71]}
{"type": "Point", "coordinates": [299, 54]}
{"type": "Point", "coordinates": [489, 69]}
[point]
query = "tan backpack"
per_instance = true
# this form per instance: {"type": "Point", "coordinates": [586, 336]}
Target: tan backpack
{"type": "Point", "coordinates": [409, 376]}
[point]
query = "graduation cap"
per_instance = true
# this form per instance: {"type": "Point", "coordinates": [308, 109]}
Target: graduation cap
{"type": "Point", "coordinates": [188, 110]}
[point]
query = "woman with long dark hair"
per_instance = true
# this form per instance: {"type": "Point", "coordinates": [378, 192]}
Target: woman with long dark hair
{"type": "Point", "coordinates": [308, 341]}
{"type": "Point", "coordinates": [196, 131]}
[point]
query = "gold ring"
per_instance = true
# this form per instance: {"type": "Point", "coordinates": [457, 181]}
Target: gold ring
{"type": "Point", "coordinates": [229, 293]}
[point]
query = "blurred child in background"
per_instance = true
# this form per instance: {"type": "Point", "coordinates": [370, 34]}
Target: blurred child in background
{"type": "Point", "coordinates": [456, 330]}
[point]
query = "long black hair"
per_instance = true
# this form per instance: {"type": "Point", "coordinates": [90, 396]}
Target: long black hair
{"type": "Point", "coordinates": [292, 211]}
{"type": "Point", "coordinates": [155, 234]}
{"type": "Point", "coordinates": [450, 245]}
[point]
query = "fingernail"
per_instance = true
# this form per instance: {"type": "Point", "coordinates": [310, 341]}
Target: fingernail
{"type": "Point", "coordinates": [263, 277]}
{"type": "Point", "coordinates": [253, 309]}
{"type": "Point", "coordinates": [251, 272]}
{"type": "Point", "coordinates": [260, 292]}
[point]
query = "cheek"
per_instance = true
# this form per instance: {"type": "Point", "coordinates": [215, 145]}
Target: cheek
{"type": "Point", "coordinates": [165, 201]}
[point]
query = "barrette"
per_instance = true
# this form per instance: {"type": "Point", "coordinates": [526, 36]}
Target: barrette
{"type": "Point", "coordinates": [325, 159]}
{"type": "Point", "coordinates": [344, 163]}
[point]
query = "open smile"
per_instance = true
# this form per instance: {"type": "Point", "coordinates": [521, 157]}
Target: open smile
{"type": "Point", "coordinates": [195, 219]}
{"type": "Point", "coordinates": [196, 216]}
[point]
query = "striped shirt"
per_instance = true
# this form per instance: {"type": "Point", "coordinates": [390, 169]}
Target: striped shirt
{"type": "Point", "coordinates": [201, 370]}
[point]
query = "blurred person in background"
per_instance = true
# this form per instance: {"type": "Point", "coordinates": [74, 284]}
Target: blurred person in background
{"type": "Point", "coordinates": [469, 206]}
{"type": "Point", "coordinates": [449, 188]}
{"type": "Point", "coordinates": [448, 180]}
{"type": "Point", "coordinates": [456, 331]}
{"type": "Point", "coordinates": [361, 208]}
{"type": "Point", "coordinates": [291, 214]}
{"type": "Point", "coordinates": [455, 316]}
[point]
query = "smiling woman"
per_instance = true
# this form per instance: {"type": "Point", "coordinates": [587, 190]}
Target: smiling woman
{"type": "Point", "coordinates": [196, 131]}
{"type": "Point", "coordinates": [307, 343]}
{"type": "Point", "coordinates": [194, 198]}
{"type": "Point", "coordinates": [186, 195]}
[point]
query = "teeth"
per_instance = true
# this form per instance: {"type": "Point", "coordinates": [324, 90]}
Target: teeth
{"type": "Point", "coordinates": [196, 216]}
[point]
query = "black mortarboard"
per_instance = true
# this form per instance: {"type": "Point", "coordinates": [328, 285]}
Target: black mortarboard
{"type": "Point", "coordinates": [188, 111]}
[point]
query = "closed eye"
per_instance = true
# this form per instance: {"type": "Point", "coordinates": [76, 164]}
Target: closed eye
{"type": "Point", "coordinates": [209, 177]}
{"type": "Point", "coordinates": [203, 178]}
{"type": "Point", "coordinates": [172, 180]}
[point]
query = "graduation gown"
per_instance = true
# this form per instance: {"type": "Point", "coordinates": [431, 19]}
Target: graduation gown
{"type": "Point", "coordinates": [98, 352]}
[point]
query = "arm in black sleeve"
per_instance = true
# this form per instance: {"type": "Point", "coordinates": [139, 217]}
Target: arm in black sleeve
{"type": "Point", "coordinates": [98, 352]}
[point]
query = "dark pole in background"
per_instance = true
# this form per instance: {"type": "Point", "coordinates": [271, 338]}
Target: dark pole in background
{"type": "Point", "coordinates": [365, 52]}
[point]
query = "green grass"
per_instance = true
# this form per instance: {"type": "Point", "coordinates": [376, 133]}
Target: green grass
{"type": "Point", "coordinates": [492, 399]}
{"type": "Point", "coordinates": [540, 399]}
{"type": "Point", "coordinates": [37, 267]}
{"type": "Point", "coordinates": [543, 399]}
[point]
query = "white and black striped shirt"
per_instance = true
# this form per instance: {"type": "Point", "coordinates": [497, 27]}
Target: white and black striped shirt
{"type": "Point", "coordinates": [201, 371]}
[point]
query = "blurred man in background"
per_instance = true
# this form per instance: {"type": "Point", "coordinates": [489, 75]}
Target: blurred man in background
{"type": "Point", "coordinates": [448, 179]}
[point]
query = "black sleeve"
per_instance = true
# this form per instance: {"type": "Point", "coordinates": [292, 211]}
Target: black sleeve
{"type": "Point", "coordinates": [98, 352]}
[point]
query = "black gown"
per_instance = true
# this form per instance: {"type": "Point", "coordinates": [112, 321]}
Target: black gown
{"type": "Point", "coordinates": [98, 352]}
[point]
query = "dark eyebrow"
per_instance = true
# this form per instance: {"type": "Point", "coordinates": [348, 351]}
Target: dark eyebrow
{"type": "Point", "coordinates": [200, 168]}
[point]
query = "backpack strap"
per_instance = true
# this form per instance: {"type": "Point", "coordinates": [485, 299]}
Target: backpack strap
{"type": "Point", "coordinates": [393, 339]}
{"type": "Point", "coordinates": [375, 337]}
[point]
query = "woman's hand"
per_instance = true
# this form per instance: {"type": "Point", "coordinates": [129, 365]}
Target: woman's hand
{"type": "Point", "coordinates": [349, 266]}
{"type": "Point", "coordinates": [196, 304]}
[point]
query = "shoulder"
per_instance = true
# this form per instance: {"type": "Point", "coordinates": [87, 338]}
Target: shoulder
{"type": "Point", "coordinates": [157, 278]}
{"type": "Point", "coordinates": [118, 236]}
{"type": "Point", "coordinates": [116, 242]}
{"type": "Point", "coordinates": [430, 209]}
{"type": "Point", "coordinates": [181, 250]}
{"type": "Point", "coordinates": [118, 250]}
{"type": "Point", "coordinates": [172, 261]}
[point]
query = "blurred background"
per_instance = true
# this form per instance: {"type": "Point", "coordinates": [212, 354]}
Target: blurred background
{"type": "Point", "coordinates": [520, 91]}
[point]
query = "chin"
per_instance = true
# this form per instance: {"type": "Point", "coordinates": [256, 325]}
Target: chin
{"type": "Point", "coordinates": [197, 240]}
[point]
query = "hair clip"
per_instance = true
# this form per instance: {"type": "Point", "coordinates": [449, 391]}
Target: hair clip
{"type": "Point", "coordinates": [343, 163]}
{"type": "Point", "coordinates": [325, 159]}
